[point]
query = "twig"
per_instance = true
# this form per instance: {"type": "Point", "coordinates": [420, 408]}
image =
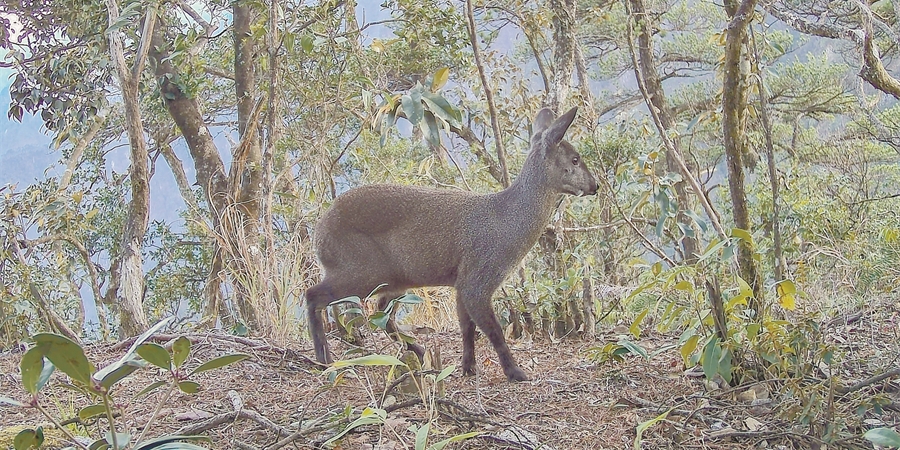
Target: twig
{"type": "Point", "coordinates": [869, 381]}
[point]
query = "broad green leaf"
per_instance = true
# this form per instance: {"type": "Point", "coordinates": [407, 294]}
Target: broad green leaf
{"type": "Point", "coordinates": [380, 319]}
{"type": "Point", "coordinates": [413, 109]}
{"type": "Point", "coordinates": [422, 436]}
{"type": "Point", "coordinates": [122, 370]}
{"type": "Point", "coordinates": [634, 348]}
{"type": "Point", "coordinates": [743, 235]}
{"type": "Point", "coordinates": [11, 402]}
{"type": "Point", "coordinates": [189, 387]}
{"type": "Point", "coordinates": [181, 348]}
{"type": "Point", "coordinates": [155, 354]}
{"type": "Point", "coordinates": [430, 129]}
{"type": "Point", "coordinates": [66, 355]}
{"type": "Point", "coordinates": [91, 411]}
{"type": "Point", "coordinates": [31, 367]}
{"type": "Point", "coordinates": [306, 43]}
{"type": "Point", "coordinates": [368, 360]}
{"type": "Point", "coordinates": [164, 442]}
{"type": "Point", "coordinates": [149, 389]}
{"type": "Point", "coordinates": [684, 285]}
{"type": "Point", "coordinates": [29, 438]}
{"type": "Point", "coordinates": [440, 107]}
{"type": "Point", "coordinates": [445, 373]}
{"type": "Point", "coordinates": [129, 355]}
{"type": "Point", "coordinates": [884, 437]}
{"type": "Point", "coordinates": [121, 441]}
{"type": "Point", "coordinates": [786, 294]}
{"type": "Point", "coordinates": [440, 79]}
{"type": "Point", "coordinates": [410, 299]}
{"type": "Point", "coordinates": [459, 437]}
{"type": "Point", "coordinates": [99, 444]}
{"type": "Point", "coordinates": [643, 426]}
{"type": "Point", "coordinates": [221, 362]}
{"type": "Point", "coordinates": [711, 354]}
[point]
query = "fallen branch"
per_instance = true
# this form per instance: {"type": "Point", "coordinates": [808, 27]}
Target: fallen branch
{"type": "Point", "coordinates": [895, 372]}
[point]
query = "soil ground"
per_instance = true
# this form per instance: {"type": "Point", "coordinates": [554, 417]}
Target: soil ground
{"type": "Point", "coordinates": [572, 402]}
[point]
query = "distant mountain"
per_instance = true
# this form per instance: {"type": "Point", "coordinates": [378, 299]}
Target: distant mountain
{"type": "Point", "coordinates": [25, 152]}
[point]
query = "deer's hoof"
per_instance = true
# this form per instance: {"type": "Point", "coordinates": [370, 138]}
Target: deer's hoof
{"type": "Point", "coordinates": [516, 374]}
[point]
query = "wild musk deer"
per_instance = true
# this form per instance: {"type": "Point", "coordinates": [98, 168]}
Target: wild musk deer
{"type": "Point", "coordinates": [408, 237]}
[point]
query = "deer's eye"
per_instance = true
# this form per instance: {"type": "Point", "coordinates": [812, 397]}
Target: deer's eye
{"type": "Point", "coordinates": [575, 161]}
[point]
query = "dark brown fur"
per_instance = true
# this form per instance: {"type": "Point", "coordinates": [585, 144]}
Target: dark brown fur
{"type": "Point", "coordinates": [408, 237]}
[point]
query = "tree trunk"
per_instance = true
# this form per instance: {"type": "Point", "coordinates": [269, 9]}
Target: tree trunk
{"type": "Point", "coordinates": [246, 173]}
{"type": "Point", "coordinates": [563, 52]}
{"type": "Point", "coordinates": [657, 100]}
{"type": "Point", "coordinates": [210, 169]}
{"type": "Point", "coordinates": [132, 320]}
{"type": "Point", "coordinates": [734, 104]}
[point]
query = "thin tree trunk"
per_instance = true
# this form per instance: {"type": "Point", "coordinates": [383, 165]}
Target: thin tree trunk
{"type": "Point", "coordinates": [246, 173]}
{"type": "Point", "coordinates": [488, 93]}
{"type": "Point", "coordinates": [773, 171]}
{"type": "Point", "coordinates": [734, 104]}
{"type": "Point", "coordinates": [210, 169]}
{"type": "Point", "coordinates": [563, 52]}
{"type": "Point", "coordinates": [132, 319]}
{"type": "Point", "coordinates": [656, 100]}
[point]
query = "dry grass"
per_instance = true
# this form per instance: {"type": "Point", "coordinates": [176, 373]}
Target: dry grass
{"type": "Point", "coordinates": [572, 403]}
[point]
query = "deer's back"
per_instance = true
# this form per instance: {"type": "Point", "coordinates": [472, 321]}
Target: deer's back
{"type": "Point", "coordinates": [404, 236]}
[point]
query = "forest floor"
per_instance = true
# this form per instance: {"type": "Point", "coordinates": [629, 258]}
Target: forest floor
{"type": "Point", "coordinates": [572, 402]}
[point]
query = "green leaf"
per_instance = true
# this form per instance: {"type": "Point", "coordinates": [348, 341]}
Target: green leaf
{"type": "Point", "coordinates": [643, 426]}
{"type": "Point", "coordinates": [711, 354]}
{"type": "Point", "coordinates": [122, 370]}
{"type": "Point", "coordinates": [99, 444]}
{"type": "Point", "coordinates": [884, 437]}
{"type": "Point", "coordinates": [11, 402]}
{"type": "Point", "coordinates": [430, 129]}
{"type": "Point", "coordinates": [369, 416]}
{"type": "Point", "coordinates": [684, 285]}
{"type": "Point", "coordinates": [66, 355]}
{"type": "Point", "coordinates": [155, 354]}
{"type": "Point", "coordinates": [634, 348]}
{"type": "Point", "coordinates": [220, 362]}
{"type": "Point", "coordinates": [440, 107]}
{"type": "Point", "coordinates": [743, 235]}
{"type": "Point", "coordinates": [687, 349]}
{"type": "Point", "coordinates": [422, 436]}
{"type": "Point", "coordinates": [368, 360]}
{"type": "Point", "coordinates": [128, 357]}
{"type": "Point", "coordinates": [122, 439]}
{"type": "Point", "coordinates": [635, 327]}
{"type": "Point", "coordinates": [149, 389]}
{"type": "Point", "coordinates": [413, 109]}
{"type": "Point", "coordinates": [164, 443]}
{"type": "Point", "coordinates": [189, 387]}
{"type": "Point", "coordinates": [459, 437]}
{"type": "Point", "coordinates": [91, 411]}
{"type": "Point", "coordinates": [409, 299]}
{"type": "Point", "coordinates": [380, 319]}
{"type": "Point", "coordinates": [29, 438]}
{"type": "Point", "coordinates": [181, 348]}
{"type": "Point", "coordinates": [445, 373]}
{"type": "Point", "coordinates": [31, 367]}
{"type": "Point", "coordinates": [440, 79]}
{"type": "Point", "coordinates": [306, 43]}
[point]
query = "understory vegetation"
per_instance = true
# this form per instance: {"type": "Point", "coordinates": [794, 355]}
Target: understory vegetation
{"type": "Point", "coordinates": [748, 157]}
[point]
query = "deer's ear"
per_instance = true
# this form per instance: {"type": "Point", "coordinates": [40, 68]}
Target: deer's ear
{"type": "Point", "coordinates": [542, 120]}
{"type": "Point", "coordinates": [557, 130]}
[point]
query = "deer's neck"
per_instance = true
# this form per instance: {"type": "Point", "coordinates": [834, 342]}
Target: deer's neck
{"type": "Point", "coordinates": [526, 205]}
